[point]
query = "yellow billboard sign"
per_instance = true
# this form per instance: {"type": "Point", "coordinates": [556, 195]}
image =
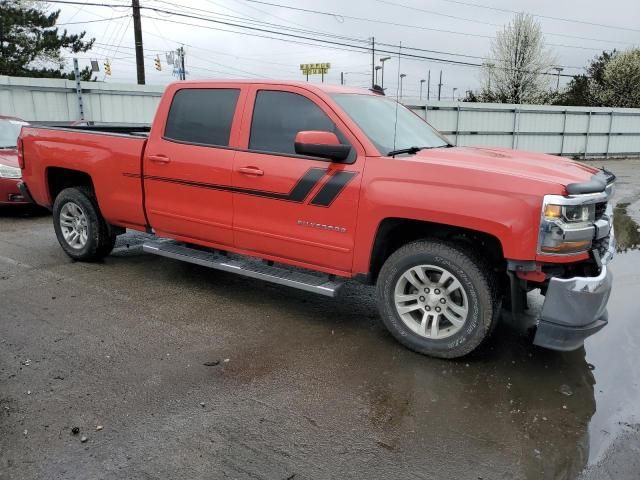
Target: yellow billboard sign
{"type": "Point", "coordinates": [315, 68]}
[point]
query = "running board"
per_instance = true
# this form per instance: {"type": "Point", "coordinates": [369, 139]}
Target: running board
{"type": "Point", "coordinates": [246, 266]}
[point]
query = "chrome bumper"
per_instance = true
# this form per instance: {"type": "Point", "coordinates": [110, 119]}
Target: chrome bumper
{"type": "Point", "coordinates": [575, 308]}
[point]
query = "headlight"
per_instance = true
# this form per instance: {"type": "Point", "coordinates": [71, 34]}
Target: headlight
{"type": "Point", "coordinates": [9, 172]}
{"type": "Point", "coordinates": [566, 225]}
{"type": "Point", "coordinates": [571, 213]}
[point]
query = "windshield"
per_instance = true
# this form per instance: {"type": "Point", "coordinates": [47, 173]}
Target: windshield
{"type": "Point", "coordinates": [376, 116]}
{"type": "Point", "coordinates": [9, 131]}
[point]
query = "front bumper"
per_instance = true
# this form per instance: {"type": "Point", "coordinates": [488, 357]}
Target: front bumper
{"type": "Point", "coordinates": [575, 308]}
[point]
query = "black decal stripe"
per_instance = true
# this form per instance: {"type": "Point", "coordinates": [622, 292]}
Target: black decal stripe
{"type": "Point", "coordinates": [305, 184]}
{"type": "Point", "coordinates": [297, 194]}
{"type": "Point", "coordinates": [330, 190]}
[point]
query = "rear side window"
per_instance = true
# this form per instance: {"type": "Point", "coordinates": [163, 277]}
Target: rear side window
{"type": "Point", "coordinates": [202, 115]}
{"type": "Point", "coordinates": [279, 116]}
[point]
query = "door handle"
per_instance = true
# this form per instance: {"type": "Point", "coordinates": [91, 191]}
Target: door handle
{"type": "Point", "coordinates": [251, 171]}
{"type": "Point", "coordinates": [159, 159]}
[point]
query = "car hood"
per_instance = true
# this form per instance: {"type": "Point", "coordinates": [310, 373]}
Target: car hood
{"type": "Point", "coordinates": [9, 157]}
{"type": "Point", "coordinates": [528, 165]}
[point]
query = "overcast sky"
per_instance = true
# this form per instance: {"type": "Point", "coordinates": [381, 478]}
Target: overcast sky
{"type": "Point", "coordinates": [214, 53]}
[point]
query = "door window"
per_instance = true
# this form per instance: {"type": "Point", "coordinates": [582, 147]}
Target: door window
{"type": "Point", "coordinates": [279, 116]}
{"type": "Point", "coordinates": [202, 116]}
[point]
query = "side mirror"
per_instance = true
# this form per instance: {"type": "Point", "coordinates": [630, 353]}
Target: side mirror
{"type": "Point", "coordinates": [321, 144]}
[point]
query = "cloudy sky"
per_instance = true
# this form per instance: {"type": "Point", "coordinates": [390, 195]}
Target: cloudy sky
{"type": "Point", "coordinates": [244, 41]}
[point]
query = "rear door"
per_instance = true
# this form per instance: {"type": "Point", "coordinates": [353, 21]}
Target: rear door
{"type": "Point", "coordinates": [188, 164]}
{"type": "Point", "coordinates": [290, 206]}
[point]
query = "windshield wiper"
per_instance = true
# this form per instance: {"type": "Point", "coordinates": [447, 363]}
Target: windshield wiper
{"type": "Point", "coordinates": [410, 150]}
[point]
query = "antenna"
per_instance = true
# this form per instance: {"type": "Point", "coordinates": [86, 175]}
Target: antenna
{"type": "Point", "coordinates": [395, 124]}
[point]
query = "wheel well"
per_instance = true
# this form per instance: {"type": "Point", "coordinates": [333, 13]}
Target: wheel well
{"type": "Point", "coordinates": [60, 178]}
{"type": "Point", "coordinates": [393, 233]}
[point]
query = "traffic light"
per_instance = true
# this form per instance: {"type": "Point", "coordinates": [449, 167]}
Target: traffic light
{"type": "Point", "coordinates": [157, 62]}
{"type": "Point", "coordinates": [107, 68]}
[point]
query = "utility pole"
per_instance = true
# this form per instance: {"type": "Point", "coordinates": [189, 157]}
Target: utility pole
{"type": "Point", "coordinates": [453, 93]}
{"type": "Point", "coordinates": [429, 84]}
{"type": "Point", "coordinates": [440, 86]}
{"type": "Point", "coordinates": [421, 82]}
{"type": "Point", "coordinates": [341, 78]}
{"type": "Point", "coordinates": [373, 61]}
{"type": "Point", "coordinates": [382, 60]}
{"type": "Point", "coordinates": [402, 75]}
{"type": "Point", "coordinates": [76, 74]}
{"type": "Point", "coordinates": [137, 33]}
{"type": "Point", "coordinates": [559, 70]}
{"type": "Point", "coordinates": [184, 72]}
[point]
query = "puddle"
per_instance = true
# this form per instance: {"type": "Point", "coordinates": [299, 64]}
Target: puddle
{"type": "Point", "coordinates": [626, 229]}
{"type": "Point", "coordinates": [614, 350]}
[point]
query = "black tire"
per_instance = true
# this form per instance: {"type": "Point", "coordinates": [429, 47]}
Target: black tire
{"type": "Point", "coordinates": [474, 277]}
{"type": "Point", "coordinates": [100, 237]}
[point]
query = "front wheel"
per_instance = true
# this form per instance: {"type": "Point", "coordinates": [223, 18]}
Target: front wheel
{"type": "Point", "coordinates": [436, 299]}
{"type": "Point", "coordinates": [81, 230]}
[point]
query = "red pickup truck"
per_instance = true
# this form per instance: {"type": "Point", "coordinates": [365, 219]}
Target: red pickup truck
{"type": "Point", "coordinates": [340, 183]}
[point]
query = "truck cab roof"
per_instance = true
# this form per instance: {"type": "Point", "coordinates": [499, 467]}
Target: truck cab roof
{"type": "Point", "coordinates": [316, 87]}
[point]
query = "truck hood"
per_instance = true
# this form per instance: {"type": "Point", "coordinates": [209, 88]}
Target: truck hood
{"type": "Point", "coordinates": [9, 157]}
{"type": "Point", "coordinates": [518, 163]}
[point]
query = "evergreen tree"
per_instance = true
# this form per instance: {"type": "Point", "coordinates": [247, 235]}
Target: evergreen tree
{"type": "Point", "coordinates": [31, 45]}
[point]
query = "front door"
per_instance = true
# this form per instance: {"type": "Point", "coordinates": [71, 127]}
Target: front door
{"type": "Point", "coordinates": [187, 167]}
{"type": "Point", "coordinates": [290, 206]}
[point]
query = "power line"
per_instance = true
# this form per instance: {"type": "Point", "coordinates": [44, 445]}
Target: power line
{"type": "Point", "coordinates": [92, 21]}
{"type": "Point", "coordinates": [356, 48]}
{"type": "Point", "coordinates": [404, 25]}
{"type": "Point", "coordinates": [269, 24]}
{"type": "Point", "coordinates": [335, 15]}
{"type": "Point", "coordinates": [296, 36]}
{"type": "Point", "coordinates": [431, 12]}
{"type": "Point", "coordinates": [561, 19]}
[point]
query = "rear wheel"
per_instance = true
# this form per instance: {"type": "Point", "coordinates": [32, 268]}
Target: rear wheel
{"type": "Point", "coordinates": [436, 299]}
{"type": "Point", "coordinates": [81, 230]}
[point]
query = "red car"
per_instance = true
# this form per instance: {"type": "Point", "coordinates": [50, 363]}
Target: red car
{"type": "Point", "coordinates": [10, 173]}
{"type": "Point", "coordinates": [346, 184]}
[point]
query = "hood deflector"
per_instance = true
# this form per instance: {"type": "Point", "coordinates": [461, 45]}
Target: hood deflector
{"type": "Point", "coordinates": [598, 183]}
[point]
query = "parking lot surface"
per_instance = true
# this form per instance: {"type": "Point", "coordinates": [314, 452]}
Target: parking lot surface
{"type": "Point", "coordinates": [192, 373]}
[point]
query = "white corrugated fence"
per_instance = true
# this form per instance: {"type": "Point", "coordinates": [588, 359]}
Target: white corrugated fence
{"type": "Point", "coordinates": [50, 99]}
{"type": "Point", "coordinates": [569, 131]}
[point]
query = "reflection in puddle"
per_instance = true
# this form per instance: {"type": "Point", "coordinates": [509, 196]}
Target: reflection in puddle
{"type": "Point", "coordinates": [627, 234]}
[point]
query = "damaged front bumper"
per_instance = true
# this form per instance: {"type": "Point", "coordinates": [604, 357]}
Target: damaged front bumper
{"type": "Point", "coordinates": [575, 308]}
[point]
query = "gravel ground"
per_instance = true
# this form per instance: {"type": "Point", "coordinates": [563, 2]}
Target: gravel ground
{"type": "Point", "coordinates": [196, 374]}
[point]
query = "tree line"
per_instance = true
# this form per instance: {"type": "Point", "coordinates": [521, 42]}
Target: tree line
{"type": "Point", "coordinates": [519, 69]}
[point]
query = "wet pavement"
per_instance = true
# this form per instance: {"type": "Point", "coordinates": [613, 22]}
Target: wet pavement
{"type": "Point", "coordinates": [297, 386]}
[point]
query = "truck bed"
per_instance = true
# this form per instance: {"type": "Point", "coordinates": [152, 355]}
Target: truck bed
{"type": "Point", "coordinates": [109, 128]}
{"type": "Point", "coordinates": [108, 156]}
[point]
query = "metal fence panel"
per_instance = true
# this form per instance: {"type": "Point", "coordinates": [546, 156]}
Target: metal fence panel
{"type": "Point", "coordinates": [572, 131]}
{"type": "Point", "coordinates": [46, 99]}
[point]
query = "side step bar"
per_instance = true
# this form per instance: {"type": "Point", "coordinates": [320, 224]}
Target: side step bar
{"type": "Point", "coordinates": [246, 266]}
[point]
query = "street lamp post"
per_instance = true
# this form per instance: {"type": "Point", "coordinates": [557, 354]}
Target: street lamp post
{"type": "Point", "coordinates": [421, 83]}
{"type": "Point", "coordinates": [402, 75]}
{"type": "Point", "coordinates": [378, 67]}
{"type": "Point", "coordinates": [382, 60]}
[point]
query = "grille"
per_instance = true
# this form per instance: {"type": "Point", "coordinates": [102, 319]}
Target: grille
{"type": "Point", "coordinates": [602, 245]}
{"type": "Point", "coordinates": [601, 208]}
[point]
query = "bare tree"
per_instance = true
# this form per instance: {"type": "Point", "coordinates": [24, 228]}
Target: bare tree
{"type": "Point", "coordinates": [514, 70]}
